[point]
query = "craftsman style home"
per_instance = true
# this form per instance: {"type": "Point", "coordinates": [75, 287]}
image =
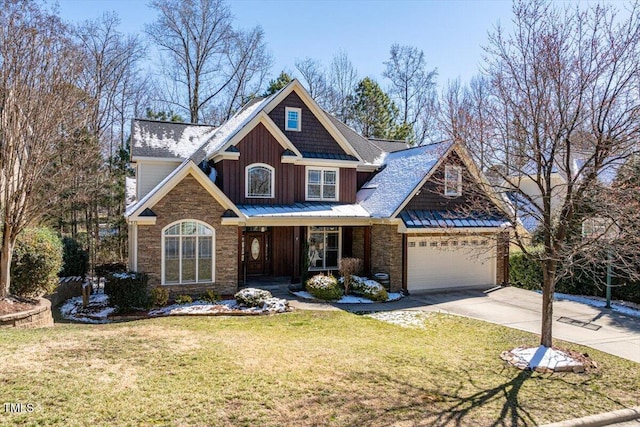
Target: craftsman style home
{"type": "Point", "coordinates": [283, 188]}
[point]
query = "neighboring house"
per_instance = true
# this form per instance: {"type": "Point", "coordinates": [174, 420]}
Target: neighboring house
{"type": "Point", "coordinates": [283, 185]}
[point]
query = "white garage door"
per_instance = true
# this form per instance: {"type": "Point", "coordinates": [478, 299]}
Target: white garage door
{"type": "Point", "coordinates": [447, 262]}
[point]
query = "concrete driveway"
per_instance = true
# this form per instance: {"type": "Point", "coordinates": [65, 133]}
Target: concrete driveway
{"type": "Point", "coordinates": [594, 327]}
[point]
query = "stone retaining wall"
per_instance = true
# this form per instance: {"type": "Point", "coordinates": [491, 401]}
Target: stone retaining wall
{"type": "Point", "coordinates": [68, 287]}
{"type": "Point", "coordinates": [38, 317]}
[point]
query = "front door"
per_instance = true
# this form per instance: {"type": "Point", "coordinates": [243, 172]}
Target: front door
{"type": "Point", "coordinates": [255, 253]}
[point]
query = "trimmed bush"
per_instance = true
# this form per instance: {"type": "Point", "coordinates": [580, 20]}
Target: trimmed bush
{"type": "Point", "coordinates": [75, 259]}
{"type": "Point", "coordinates": [525, 272]}
{"type": "Point", "coordinates": [210, 296]}
{"type": "Point", "coordinates": [159, 297]}
{"type": "Point", "coordinates": [369, 289]}
{"type": "Point", "coordinates": [251, 297]}
{"type": "Point", "coordinates": [183, 299]}
{"type": "Point", "coordinates": [324, 287]}
{"type": "Point", "coordinates": [37, 259]}
{"type": "Point", "coordinates": [127, 291]}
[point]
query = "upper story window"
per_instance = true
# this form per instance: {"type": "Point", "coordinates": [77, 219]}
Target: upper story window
{"type": "Point", "coordinates": [322, 183]}
{"type": "Point", "coordinates": [293, 119]}
{"type": "Point", "coordinates": [452, 180]}
{"type": "Point", "coordinates": [259, 179]}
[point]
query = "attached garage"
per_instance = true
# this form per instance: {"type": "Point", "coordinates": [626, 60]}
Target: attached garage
{"type": "Point", "coordinates": [450, 262]}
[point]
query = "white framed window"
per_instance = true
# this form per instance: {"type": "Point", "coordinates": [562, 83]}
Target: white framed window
{"type": "Point", "coordinates": [293, 119]}
{"type": "Point", "coordinates": [188, 253]}
{"type": "Point", "coordinates": [322, 183]}
{"type": "Point", "coordinates": [259, 181]}
{"type": "Point", "coordinates": [452, 180]}
{"type": "Point", "coordinates": [324, 247]}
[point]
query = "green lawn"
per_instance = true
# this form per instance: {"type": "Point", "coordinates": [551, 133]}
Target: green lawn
{"type": "Point", "coordinates": [297, 369]}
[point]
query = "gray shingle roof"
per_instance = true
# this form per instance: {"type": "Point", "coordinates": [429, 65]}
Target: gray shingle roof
{"type": "Point", "coordinates": [371, 151]}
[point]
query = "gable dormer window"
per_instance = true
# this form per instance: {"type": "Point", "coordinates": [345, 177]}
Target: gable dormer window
{"type": "Point", "coordinates": [452, 180]}
{"type": "Point", "coordinates": [259, 181]}
{"type": "Point", "coordinates": [293, 119]}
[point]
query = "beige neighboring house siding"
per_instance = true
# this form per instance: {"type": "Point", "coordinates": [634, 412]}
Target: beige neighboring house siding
{"type": "Point", "coordinates": [386, 253]}
{"type": "Point", "coordinates": [149, 174]}
{"type": "Point", "coordinates": [189, 200]}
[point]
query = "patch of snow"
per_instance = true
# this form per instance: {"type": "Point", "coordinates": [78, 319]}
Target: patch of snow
{"type": "Point", "coordinates": [542, 357]}
{"type": "Point", "coordinates": [130, 190]}
{"type": "Point", "coordinates": [597, 302]}
{"type": "Point", "coordinates": [124, 275]}
{"type": "Point", "coordinates": [404, 318]}
{"type": "Point", "coordinates": [191, 138]}
{"type": "Point", "coordinates": [213, 174]}
{"type": "Point", "coordinates": [271, 305]}
{"type": "Point", "coordinates": [402, 173]}
{"type": "Point", "coordinates": [349, 299]}
{"type": "Point", "coordinates": [97, 310]}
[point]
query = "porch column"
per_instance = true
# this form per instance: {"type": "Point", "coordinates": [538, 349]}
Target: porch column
{"type": "Point", "coordinates": [367, 250]}
{"type": "Point", "coordinates": [297, 258]}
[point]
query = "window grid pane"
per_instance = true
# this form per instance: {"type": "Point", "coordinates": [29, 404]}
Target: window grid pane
{"type": "Point", "coordinates": [188, 253]}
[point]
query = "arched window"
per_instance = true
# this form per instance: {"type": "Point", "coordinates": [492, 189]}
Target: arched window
{"type": "Point", "coordinates": [259, 179]}
{"type": "Point", "coordinates": [188, 249]}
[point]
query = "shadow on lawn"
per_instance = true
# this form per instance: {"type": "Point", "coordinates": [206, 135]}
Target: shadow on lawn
{"type": "Point", "coordinates": [456, 407]}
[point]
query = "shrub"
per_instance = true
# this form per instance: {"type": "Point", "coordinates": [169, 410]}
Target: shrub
{"type": "Point", "coordinates": [324, 287]}
{"type": "Point", "coordinates": [37, 259]}
{"type": "Point", "coordinates": [524, 272]}
{"type": "Point", "coordinates": [369, 289]}
{"type": "Point", "coordinates": [159, 297]}
{"type": "Point", "coordinates": [127, 291]}
{"type": "Point", "coordinates": [210, 296]}
{"type": "Point", "coordinates": [75, 259]}
{"type": "Point", "coordinates": [251, 297]}
{"type": "Point", "coordinates": [183, 299]}
{"type": "Point", "coordinates": [103, 270]}
{"type": "Point", "coordinates": [349, 267]}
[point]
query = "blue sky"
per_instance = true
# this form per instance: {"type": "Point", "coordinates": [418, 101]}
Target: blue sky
{"type": "Point", "coordinates": [450, 33]}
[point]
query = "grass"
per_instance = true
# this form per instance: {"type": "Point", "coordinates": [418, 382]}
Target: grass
{"type": "Point", "coordinates": [297, 369]}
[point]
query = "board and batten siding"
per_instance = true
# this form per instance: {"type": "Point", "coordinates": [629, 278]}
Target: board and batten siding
{"type": "Point", "coordinates": [149, 174]}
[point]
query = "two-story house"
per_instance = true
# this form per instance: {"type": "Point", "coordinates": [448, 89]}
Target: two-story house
{"type": "Point", "coordinates": [283, 186]}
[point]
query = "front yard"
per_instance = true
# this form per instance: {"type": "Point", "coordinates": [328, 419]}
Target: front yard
{"type": "Point", "coordinates": [300, 368]}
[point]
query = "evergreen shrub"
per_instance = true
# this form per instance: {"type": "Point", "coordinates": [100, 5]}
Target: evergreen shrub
{"type": "Point", "coordinates": [37, 259]}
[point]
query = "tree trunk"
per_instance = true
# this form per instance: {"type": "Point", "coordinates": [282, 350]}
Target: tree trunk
{"type": "Point", "coordinates": [548, 288]}
{"type": "Point", "coordinates": [5, 261]}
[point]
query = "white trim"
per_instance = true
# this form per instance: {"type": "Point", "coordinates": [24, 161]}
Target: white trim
{"type": "Point", "coordinates": [180, 236]}
{"type": "Point", "coordinates": [326, 163]}
{"type": "Point", "coordinates": [449, 192]}
{"type": "Point", "coordinates": [287, 110]}
{"type": "Point", "coordinates": [146, 220]}
{"type": "Point", "coordinates": [144, 159]}
{"type": "Point", "coordinates": [166, 185]}
{"type": "Point", "coordinates": [133, 237]}
{"type": "Point", "coordinates": [322, 184]}
{"type": "Point", "coordinates": [272, 178]}
{"type": "Point", "coordinates": [324, 258]}
{"type": "Point", "coordinates": [226, 155]}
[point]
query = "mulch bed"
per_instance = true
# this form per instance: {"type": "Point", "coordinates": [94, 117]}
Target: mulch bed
{"type": "Point", "coordinates": [13, 305]}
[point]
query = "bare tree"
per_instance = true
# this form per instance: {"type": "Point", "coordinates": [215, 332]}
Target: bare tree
{"type": "Point", "coordinates": [40, 107]}
{"type": "Point", "coordinates": [565, 104]}
{"type": "Point", "coordinates": [250, 63]}
{"type": "Point", "coordinates": [343, 79]}
{"type": "Point", "coordinates": [412, 87]}
{"type": "Point", "coordinates": [314, 78]}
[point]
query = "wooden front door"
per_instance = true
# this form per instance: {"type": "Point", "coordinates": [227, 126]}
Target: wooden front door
{"type": "Point", "coordinates": [255, 253]}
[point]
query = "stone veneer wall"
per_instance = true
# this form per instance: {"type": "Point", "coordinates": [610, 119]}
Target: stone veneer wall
{"type": "Point", "coordinates": [189, 200]}
{"type": "Point", "coordinates": [357, 242]}
{"type": "Point", "coordinates": [386, 253]}
{"type": "Point", "coordinates": [38, 317]}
